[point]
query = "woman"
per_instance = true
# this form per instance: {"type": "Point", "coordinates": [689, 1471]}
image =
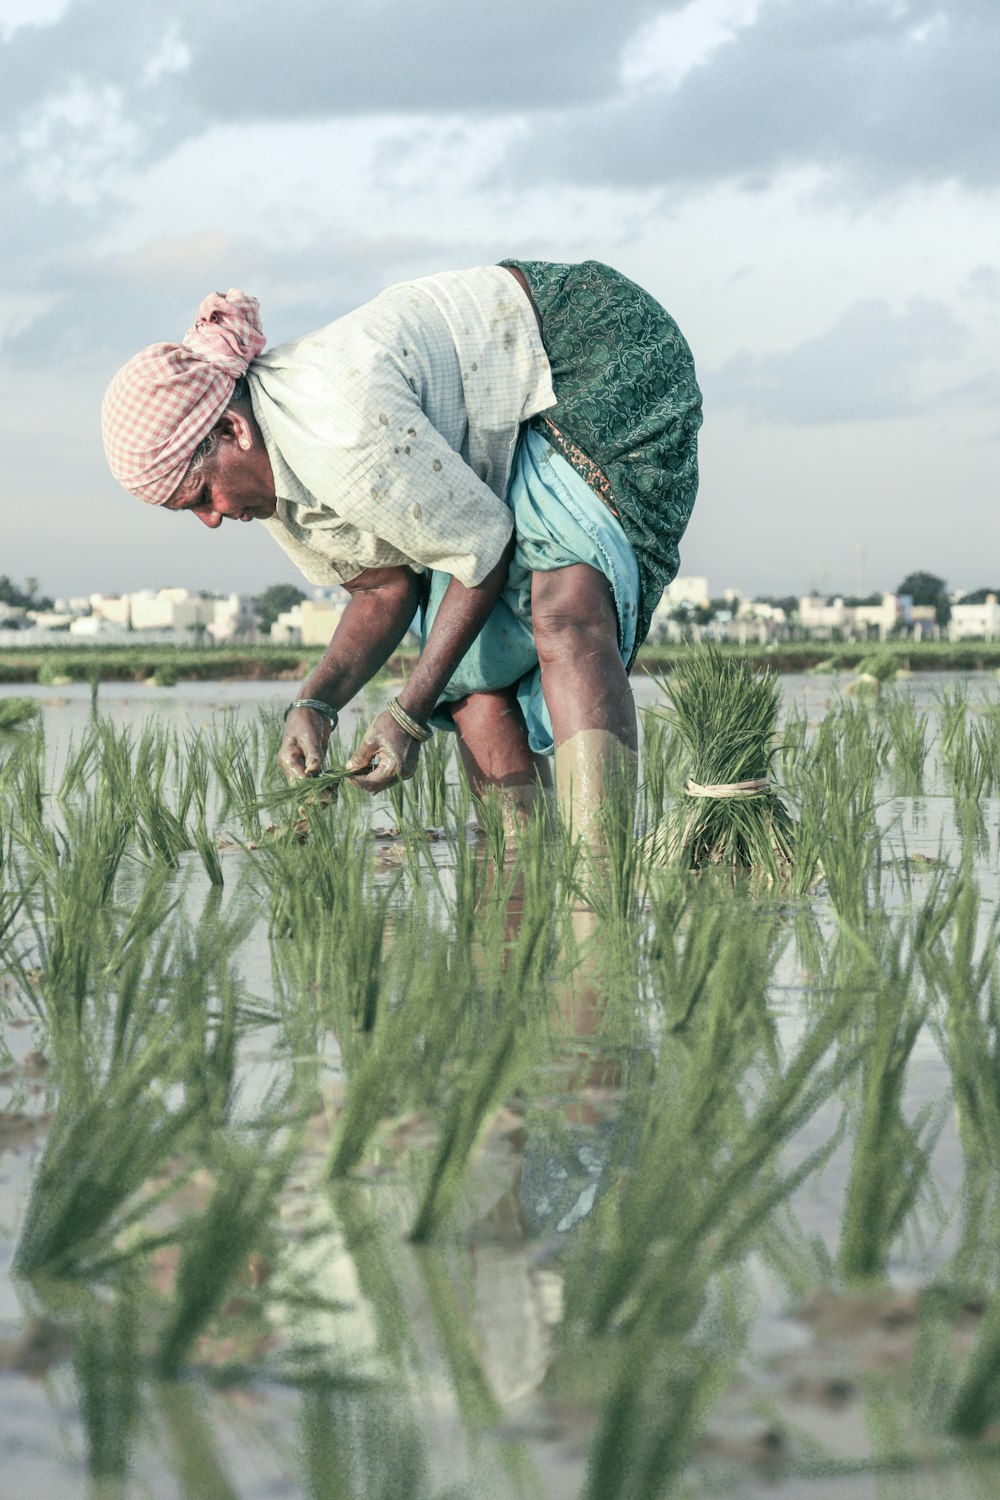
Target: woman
{"type": "Point", "coordinates": [509, 452]}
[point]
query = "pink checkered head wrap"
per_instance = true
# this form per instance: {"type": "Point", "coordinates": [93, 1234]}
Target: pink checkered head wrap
{"type": "Point", "coordinates": [168, 397]}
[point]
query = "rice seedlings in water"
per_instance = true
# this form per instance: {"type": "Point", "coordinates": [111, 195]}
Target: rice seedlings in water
{"type": "Point", "coordinates": [194, 792]}
{"type": "Point", "coordinates": [891, 1155]}
{"type": "Point", "coordinates": [953, 706]}
{"type": "Point", "coordinates": [907, 731]}
{"type": "Point", "coordinates": [969, 763]}
{"type": "Point", "coordinates": [705, 1177]}
{"type": "Point", "coordinates": [958, 959]}
{"type": "Point", "coordinates": [107, 1366]}
{"type": "Point", "coordinates": [492, 819]}
{"type": "Point", "coordinates": [486, 1083]}
{"type": "Point", "coordinates": [612, 871]}
{"type": "Point", "coordinates": [217, 1244]}
{"type": "Point", "coordinates": [794, 739]}
{"type": "Point", "coordinates": [146, 1051]}
{"type": "Point", "coordinates": [662, 1390]}
{"type": "Point", "coordinates": [725, 716]}
{"type": "Point", "coordinates": [877, 669]}
{"type": "Point", "coordinates": [659, 761]}
{"type": "Point", "coordinates": [236, 774]}
{"type": "Point", "coordinates": [429, 787]}
{"type": "Point", "coordinates": [15, 713]}
{"type": "Point", "coordinates": [407, 1034]}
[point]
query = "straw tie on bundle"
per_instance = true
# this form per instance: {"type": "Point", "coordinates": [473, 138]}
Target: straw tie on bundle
{"type": "Point", "coordinates": [725, 715]}
{"type": "Point", "coordinates": [757, 788]}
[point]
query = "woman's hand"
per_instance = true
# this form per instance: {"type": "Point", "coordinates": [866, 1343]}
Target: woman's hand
{"type": "Point", "coordinates": [387, 754]}
{"type": "Point", "coordinates": [303, 747]}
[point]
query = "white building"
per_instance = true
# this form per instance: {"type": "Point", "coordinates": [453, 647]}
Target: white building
{"type": "Point", "coordinates": [691, 591]}
{"type": "Point", "coordinates": [115, 608]}
{"type": "Point", "coordinates": [975, 622]}
{"type": "Point", "coordinates": [170, 609]}
{"type": "Point", "coordinates": [816, 612]}
{"type": "Point", "coordinates": [310, 623]}
{"type": "Point", "coordinates": [232, 616]}
{"type": "Point", "coordinates": [686, 589]}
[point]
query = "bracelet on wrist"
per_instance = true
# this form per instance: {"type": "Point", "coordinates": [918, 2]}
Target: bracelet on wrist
{"type": "Point", "coordinates": [317, 705]}
{"type": "Point", "coordinates": [413, 727]}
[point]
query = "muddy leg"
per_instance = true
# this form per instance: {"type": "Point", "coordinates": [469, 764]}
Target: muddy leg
{"type": "Point", "coordinates": [587, 692]}
{"type": "Point", "coordinates": [493, 744]}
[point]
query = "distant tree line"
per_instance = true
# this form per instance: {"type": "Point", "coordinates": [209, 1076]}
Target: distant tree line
{"type": "Point", "coordinates": [26, 598]}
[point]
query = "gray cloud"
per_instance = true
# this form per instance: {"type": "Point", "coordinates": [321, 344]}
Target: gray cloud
{"type": "Point", "coordinates": [183, 65]}
{"type": "Point", "coordinates": [884, 91]}
{"type": "Point", "coordinates": [109, 307]}
{"type": "Point", "coordinates": [868, 366]}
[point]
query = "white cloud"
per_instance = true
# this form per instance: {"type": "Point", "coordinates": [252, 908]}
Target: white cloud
{"type": "Point", "coordinates": [36, 13]}
{"type": "Point", "coordinates": [872, 365]}
{"type": "Point", "coordinates": [669, 46]}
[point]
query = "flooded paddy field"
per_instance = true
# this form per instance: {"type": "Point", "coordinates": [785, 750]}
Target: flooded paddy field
{"type": "Point", "coordinates": [363, 1154]}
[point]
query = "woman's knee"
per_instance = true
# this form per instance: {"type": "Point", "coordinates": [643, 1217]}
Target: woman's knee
{"type": "Point", "coordinates": [572, 614]}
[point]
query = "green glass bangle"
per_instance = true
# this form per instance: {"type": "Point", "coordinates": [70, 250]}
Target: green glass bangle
{"type": "Point", "coordinates": [317, 705]}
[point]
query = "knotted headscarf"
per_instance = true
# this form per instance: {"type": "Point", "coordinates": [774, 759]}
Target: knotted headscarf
{"type": "Point", "coordinates": [168, 397]}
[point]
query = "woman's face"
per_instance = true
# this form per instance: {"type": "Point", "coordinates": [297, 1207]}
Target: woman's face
{"type": "Point", "coordinates": [235, 482]}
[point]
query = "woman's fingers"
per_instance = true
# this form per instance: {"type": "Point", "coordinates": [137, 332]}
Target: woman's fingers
{"type": "Point", "coordinates": [381, 771]}
{"type": "Point", "coordinates": [303, 745]}
{"type": "Point", "coordinates": [386, 755]}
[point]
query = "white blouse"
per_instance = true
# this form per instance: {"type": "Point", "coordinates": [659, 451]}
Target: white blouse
{"type": "Point", "coordinates": [391, 431]}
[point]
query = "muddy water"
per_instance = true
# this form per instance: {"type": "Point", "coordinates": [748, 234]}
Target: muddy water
{"type": "Point", "coordinates": [491, 1403]}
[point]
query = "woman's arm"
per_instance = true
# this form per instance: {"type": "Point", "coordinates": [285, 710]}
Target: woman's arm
{"type": "Point", "coordinates": [461, 615]}
{"type": "Point", "coordinates": [382, 604]}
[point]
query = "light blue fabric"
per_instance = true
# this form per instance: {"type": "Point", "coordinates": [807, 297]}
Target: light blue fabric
{"type": "Point", "coordinates": [558, 520]}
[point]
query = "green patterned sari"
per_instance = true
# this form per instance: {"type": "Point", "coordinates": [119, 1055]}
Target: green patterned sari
{"type": "Point", "coordinates": [628, 407]}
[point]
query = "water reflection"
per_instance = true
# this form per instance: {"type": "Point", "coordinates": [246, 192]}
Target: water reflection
{"type": "Point", "coordinates": [412, 1177]}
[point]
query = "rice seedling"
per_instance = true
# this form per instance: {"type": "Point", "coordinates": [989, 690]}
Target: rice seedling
{"type": "Point", "coordinates": [414, 1027]}
{"type": "Point", "coordinates": [307, 794]}
{"type": "Point", "coordinates": [907, 731]}
{"type": "Point", "coordinates": [486, 1083]}
{"type": "Point", "coordinates": [216, 1245]}
{"type": "Point", "coordinates": [891, 1155]}
{"type": "Point", "coordinates": [16, 712]}
{"type": "Point", "coordinates": [725, 716]}
{"type": "Point", "coordinates": [54, 672]}
{"type": "Point", "coordinates": [969, 763]}
{"type": "Point", "coordinates": [107, 1367]}
{"type": "Point", "coordinates": [659, 760]}
{"type": "Point", "coordinates": [878, 668]}
{"type": "Point", "coordinates": [953, 706]}
{"type": "Point", "coordinates": [662, 1390]}
{"type": "Point", "coordinates": [958, 960]}
{"type": "Point", "coordinates": [429, 788]}
{"type": "Point", "coordinates": [704, 1177]}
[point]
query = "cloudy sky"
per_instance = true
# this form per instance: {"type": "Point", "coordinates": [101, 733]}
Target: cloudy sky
{"type": "Point", "coordinates": [812, 187]}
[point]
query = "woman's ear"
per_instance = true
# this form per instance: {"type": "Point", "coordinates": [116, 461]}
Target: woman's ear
{"type": "Point", "coordinates": [234, 428]}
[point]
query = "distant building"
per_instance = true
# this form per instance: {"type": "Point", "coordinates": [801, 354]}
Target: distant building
{"type": "Point", "coordinates": [824, 616]}
{"type": "Point", "coordinates": [310, 623]}
{"type": "Point", "coordinates": [115, 608]}
{"type": "Point", "coordinates": [975, 622]}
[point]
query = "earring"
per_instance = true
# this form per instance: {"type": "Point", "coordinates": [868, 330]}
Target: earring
{"type": "Point", "coordinates": [245, 444]}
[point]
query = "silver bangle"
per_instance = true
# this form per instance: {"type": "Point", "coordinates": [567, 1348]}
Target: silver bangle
{"type": "Point", "coordinates": [413, 727]}
{"type": "Point", "coordinates": [317, 705]}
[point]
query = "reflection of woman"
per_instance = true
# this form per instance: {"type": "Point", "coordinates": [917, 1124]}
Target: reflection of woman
{"type": "Point", "coordinates": [511, 450]}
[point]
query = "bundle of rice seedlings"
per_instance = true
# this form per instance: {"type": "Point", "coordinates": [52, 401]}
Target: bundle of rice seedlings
{"type": "Point", "coordinates": [725, 716]}
{"type": "Point", "coordinates": [879, 667]}
{"type": "Point", "coordinates": [14, 712]}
